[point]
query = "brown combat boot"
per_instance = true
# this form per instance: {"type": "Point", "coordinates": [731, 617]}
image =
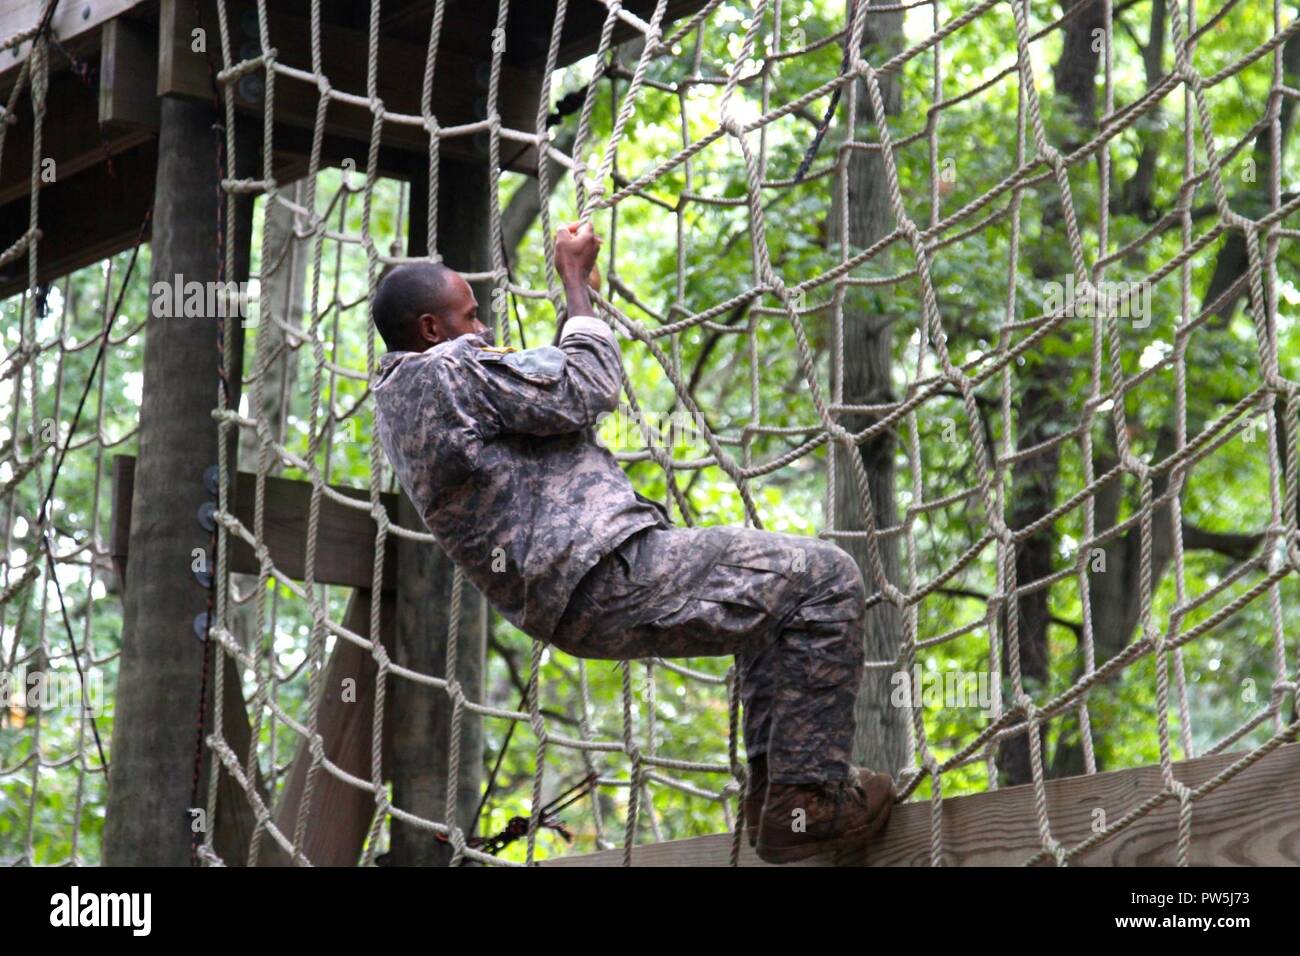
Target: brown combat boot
{"type": "Point", "coordinates": [841, 818]}
{"type": "Point", "coordinates": [755, 796]}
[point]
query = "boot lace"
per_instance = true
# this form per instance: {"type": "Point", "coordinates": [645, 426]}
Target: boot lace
{"type": "Point", "coordinates": [842, 791]}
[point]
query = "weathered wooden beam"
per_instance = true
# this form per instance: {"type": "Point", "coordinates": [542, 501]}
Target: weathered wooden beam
{"type": "Point", "coordinates": [528, 26]}
{"type": "Point", "coordinates": [340, 814]}
{"type": "Point", "coordinates": [460, 87]}
{"type": "Point", "coordinates": [83, 218]}
{"type": "Point", "coordinates": [119, 194]}
{"type": "Point", "coordinates": [76, 24]}
{"type": "Point", "coordinates": [291, 146]}
{"type": "Point", "coordinates": [128, 64]}
{"type": "Point", "coordinates": [528, 31]}
{"type": "Point", "coordinates": [129, 104]}
{"type": "Point", "coordinates": [235, 818]}
{"type": "Point", "coordinates": [345, 537]}
{"type": "Point", "coordinates": [1251, 820]}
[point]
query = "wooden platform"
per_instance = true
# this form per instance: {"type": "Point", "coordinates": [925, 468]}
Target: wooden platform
{"type": "Point", "coordinates": [101, 135]}
{"type": "Point", "coordinates": [1251, 820]}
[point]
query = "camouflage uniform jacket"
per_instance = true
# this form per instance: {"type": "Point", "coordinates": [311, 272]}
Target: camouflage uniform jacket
{"type": "Point", "coordinates": [497, 450]}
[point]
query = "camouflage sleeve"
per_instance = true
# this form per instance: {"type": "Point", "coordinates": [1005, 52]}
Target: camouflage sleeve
{"type": "Point", "coordinates": [549, 390]}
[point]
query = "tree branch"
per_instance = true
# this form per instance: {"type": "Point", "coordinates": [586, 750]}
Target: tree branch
{"type": "Point", "coordinates": [1233, 545]}
{"type": "Point", "coordinates": [1074, 626]}
{"type": "Point", "coordinates": [521, 685]}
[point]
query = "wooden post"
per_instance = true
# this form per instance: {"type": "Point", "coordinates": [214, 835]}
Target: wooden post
{"type": "Point", "coordinates": [128, 70]}
{"type": "Point", "coordinates": [340, 814]}
{"type": "Point", "coordinates": [154, 735]}
{"type": "Point", "coordinates": [421, 716]}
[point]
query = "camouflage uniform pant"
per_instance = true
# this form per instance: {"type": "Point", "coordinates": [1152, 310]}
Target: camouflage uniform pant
{"type": "Point", "coordinates": [791, 609]}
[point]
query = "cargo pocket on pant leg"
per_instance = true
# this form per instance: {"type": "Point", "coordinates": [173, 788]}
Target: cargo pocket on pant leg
{"type": "Point", "coordinates": [730, 611]}
{"type": "Point", "coordinates": [827, 642]}
{"type": "Point", "coordinates": [715, 590]}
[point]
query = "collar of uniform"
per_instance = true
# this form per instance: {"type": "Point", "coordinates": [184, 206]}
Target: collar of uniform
{"type": "Point", "coordinates": [387, 363]}
{"type": "Point", "coordinates": [391, 358]}
{"type": "Point", "coordinates": [394, 356]}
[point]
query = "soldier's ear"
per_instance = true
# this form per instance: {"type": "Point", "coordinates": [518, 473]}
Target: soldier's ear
{"type": "Point", "coordinates": [429, 329]}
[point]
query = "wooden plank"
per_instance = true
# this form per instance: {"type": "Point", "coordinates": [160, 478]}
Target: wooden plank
{"type": "Point", "coordinates": [235, 818]}
{"type": "Point", "coordinates": [128, 63]}
{"type": "Point", "coordinates": [340, 815]}
{"type": "Point", "coordinates": [528, 31]}
{"type": "Point", "coordinates": [292, 151]}
{"type": "Point", "coordinates": [74, 23]}
{"type": "Point", "coordinates": [459, 97]}
{"type": "Point", "coordinates": [1252, 820]}
{"type": "Point", "coordinates": [71, 236]}
{"type": "Point", "coordinates": [528, 26]}
{"type": "Point", "coordinates": [345, 537]}
{"type": "Point", "coordinates": [72, 239]}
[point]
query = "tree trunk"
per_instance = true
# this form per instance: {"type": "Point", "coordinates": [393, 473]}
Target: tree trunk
{"type": "Point", "coordinates": [1116, 603]}
{"type": "Point", "coordinates": [1233, 258]}
{"type": "Point", "coordinates": [526, 203]}
{"type": "Point", "coordinates": [880, 737]}
{"type": "Point", "coordinates": [1034, 480]}
{"type": "Point", "coordinates": [1041, 406]}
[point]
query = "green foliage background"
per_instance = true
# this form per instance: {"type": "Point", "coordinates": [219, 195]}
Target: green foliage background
{"type": "Point", "coordinates": [1229, 671]}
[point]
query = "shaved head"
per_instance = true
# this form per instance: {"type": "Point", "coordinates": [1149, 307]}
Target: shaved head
{"type": "Point", "coordinates": [408, 291]}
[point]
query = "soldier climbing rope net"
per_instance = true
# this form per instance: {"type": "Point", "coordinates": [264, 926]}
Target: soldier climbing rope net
{"type": "Point", "coordinates": [749, 112]}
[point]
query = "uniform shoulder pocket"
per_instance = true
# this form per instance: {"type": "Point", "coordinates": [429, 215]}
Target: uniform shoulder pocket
{"type": "Point", "coordinates": [541, 366]}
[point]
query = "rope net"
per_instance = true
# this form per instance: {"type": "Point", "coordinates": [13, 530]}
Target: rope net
{"type": "Point", "coordinates": [920, 350]}
{"type": "Point", "coordinates": [71, 353]}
